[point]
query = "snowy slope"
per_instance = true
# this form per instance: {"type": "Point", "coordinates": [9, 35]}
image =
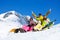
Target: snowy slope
{"type": "Point", "coordinates": [50, 34]}
{"type": "Point", "coordinates": [10, 20]}
{"type": "Point", "coordinates": [13, 19]}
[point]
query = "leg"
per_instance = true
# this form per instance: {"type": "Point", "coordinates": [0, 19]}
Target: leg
{"type": "Point", "coordinates": [22, 30]}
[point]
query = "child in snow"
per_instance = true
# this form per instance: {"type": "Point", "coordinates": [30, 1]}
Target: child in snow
{"type": "Point", "coordinates": [49, 25]}
{"type": "Point", "coordinates": [40, 25]}
{"type": "Point", "coordinates": [45, 21]}
{"type": "Point", "coordinates": [39, 18]}
{"type": "Point", "coordinates": [30, 26]}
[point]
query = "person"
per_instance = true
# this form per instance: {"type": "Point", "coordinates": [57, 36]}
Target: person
{"type": "Point", "coordinates": [30, 19]}
{"type": "Point", "coordinates": [49, 25]}
{"type": "Point", "coordinates": [38, 27]}
{"type": "Point", "coordinates": [45, 22]}
{"type": "Point", "coordinates": [27, 19]}
{"type": "Point", "coordinates": [39, 18]}
{"type": "Point", "coordinates": [30, 26]}
{"type": "Point", "coordinates": [31, 22]}
{"type": "Point", "coordinates": [16, 30]}
{"type": "Point", "coordinates": [41, 24]}
{"type": "Point", "coordinates": [25, 28]}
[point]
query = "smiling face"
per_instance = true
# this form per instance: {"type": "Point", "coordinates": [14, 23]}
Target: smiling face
{"type": "Point", "coordinates": [31, 19]}
{"type": "Point", "coordinates": [44, 17]}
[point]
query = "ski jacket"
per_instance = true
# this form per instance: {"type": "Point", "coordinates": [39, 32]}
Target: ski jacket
{"type": "Point", "coordinates": [27, 28]}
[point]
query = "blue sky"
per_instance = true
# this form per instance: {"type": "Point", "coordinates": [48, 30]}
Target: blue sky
{"type": "Point", "coordinates": [38, 6]}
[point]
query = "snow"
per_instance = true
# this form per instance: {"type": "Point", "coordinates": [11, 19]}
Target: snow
{"type": "Point", "coordinates": [50, 34]}
{"type": "Point", "coordinates": [13, 21]}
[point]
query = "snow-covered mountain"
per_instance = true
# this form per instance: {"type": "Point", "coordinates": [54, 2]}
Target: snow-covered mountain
{"type": "Point", "coordinates": [12, 19]}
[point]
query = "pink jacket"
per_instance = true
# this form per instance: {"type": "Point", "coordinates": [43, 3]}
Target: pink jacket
{"type": "Point", "coordinates": [27, 28]}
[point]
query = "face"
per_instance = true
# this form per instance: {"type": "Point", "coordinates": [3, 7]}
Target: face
{"type": "Point", "coordinates": [44, 16]}
{"type": "Point", "coordinates": [31, 19]}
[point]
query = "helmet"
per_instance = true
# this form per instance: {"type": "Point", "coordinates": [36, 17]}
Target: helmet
{"type": "Point", "coordinates": [28, 18]}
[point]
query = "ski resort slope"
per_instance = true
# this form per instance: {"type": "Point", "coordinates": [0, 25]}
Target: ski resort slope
{"type": "Point", "coordinates": [50, 34]}
{"type": "Point", "coordinates": [11, 20]}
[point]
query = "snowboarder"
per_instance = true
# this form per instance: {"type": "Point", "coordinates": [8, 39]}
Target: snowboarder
{"type": "Point", "coordinates": [48, 25]}
{"type": "Point", "coordinates": [30, 26]}
{"type": "Point", "coordinates": [39, 18]}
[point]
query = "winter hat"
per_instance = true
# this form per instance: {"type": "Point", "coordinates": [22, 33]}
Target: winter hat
{"type": "Point", "coordinates": [28, 18]}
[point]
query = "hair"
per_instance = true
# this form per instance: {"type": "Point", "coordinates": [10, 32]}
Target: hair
{"type": "Point", "coordinates": [31, 18]}
{"type": "Point", "coordinates": [40, 14]}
